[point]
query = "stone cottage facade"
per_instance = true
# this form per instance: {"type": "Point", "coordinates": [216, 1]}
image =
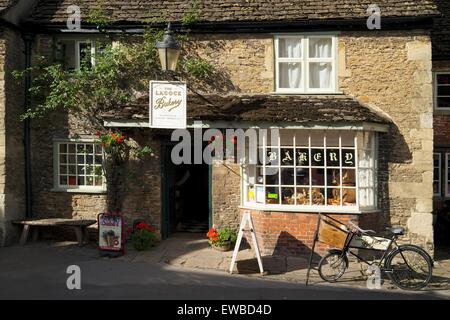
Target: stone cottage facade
{"type": "Point", "coordinates": [355, 109]}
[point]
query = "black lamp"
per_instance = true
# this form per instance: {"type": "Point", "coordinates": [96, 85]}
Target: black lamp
{"type": "Point", "coordinates": [169, 51]}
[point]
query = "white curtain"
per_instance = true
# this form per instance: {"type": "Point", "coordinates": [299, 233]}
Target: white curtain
{"type": "Point", "coordinates": [290, 73]}
{"type": "Point", "coordinates": [320, 72]}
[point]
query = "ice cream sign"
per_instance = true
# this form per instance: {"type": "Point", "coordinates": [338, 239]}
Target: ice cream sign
{"type": "Point", "coordinates": [167, 105]}
{"type": "Point", "coordinates": [110, 229]}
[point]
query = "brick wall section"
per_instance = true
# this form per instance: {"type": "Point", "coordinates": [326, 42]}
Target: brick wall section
{"type": "Point", "coordinates": [292, 233]}
{"type": "Point", "coordinates": [12, 181]}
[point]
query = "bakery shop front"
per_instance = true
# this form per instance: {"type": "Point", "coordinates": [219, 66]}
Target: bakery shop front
{"type": "Point", "coordinates": [313, 155]}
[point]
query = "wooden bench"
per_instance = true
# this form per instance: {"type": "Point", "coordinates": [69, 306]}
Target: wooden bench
{"type": "Point", "coordinates": [79, 227]}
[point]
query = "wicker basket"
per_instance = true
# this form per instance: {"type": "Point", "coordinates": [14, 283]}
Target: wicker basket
{"type": "Point", "coordinates": [332, 234]}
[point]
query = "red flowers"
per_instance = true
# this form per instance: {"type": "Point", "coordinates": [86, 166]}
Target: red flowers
{"type": "Point", "coordinates": [143, 225]}
{"type": "Point", "coordinates": [212, 235]}
{"type": "Point", "coordinates": [111, 139]}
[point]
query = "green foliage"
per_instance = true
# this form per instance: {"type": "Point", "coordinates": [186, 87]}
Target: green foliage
{"type": "Point", "coordinates": [96, 16]}
{"type": "Point", "coordinates": [192, 16]}
{"type": "Point", "coordinates": [143, 239]}
{"type": "Point", "coordinates": [143, 152]}
{"type": "Point", "coordinates": [197, 67]}
{"type": "Point", "coordinates": [225, 235]}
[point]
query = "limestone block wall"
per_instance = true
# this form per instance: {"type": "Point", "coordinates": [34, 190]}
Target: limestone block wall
{"type": "Point", "coordinates": [390, 71]}
{"type": "Point", "coordinates": [12, 180]}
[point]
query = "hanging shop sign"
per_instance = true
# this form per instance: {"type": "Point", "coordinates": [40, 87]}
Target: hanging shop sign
{"type": "Point", "coordinates": [168, 105]}
{"type": "Point", "coordinates": [111, 233]}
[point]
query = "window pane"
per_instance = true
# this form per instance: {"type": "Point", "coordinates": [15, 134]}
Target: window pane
{"type": "Point", "coordinates": [272, 157]}
{"type": "Point", "coordinates": [288, 196]}
{"type": "Point", "coordinates": [302, 157]}
{"type": "Point", "coordinates": [318, 197]}
{"type": "Point", "coordinates": [81, 181]}
{"type": "Point", "coordinates": [317, 156]}
{"type": "Point", "coordinates": [80, 148]}
{"type": "Point", "coordinates": [287, 176]}
{"type": "Point", "coordinates": [290, 75]}
{"type": "Point", "coordinates": [63, 169]}
{"type": "Point", "coordinates": [302, 177]}
{"type": "Point", "coordinates": [287, 138]}
{"type": "Point", "coordinates": [318, 177]}
{"type": "Point", "coordinates": [348, 139]}
{"type": "Point", "coordinates": [72, 159]}
{"type": "Point", "coordinates": [62, 159]}
{"type": "Point", "coordinates": [72, 180]}
{"type": "Point", "coordinates": [303, 197]}
{"type": "Point", "coordinates": [85, 54]}
{"type": "Point", "coordinates": [334, 196]}
{"type": "Point", "coordinates": [333, 139]}
{"type": "Point", "coordinates": [348, 178]}
{"type": "Point", "coordinates": [320, 75]}
{"type": "Point", "coordinates": [63, 148]}
{"type": "Point", "coordinates": [89, 181]}
{"type": "Point", "coordinates": [443, 90]}
{"type": "Point", "coordinates": [72, 148]}
{"type": "Point", "coordinates": [272, 195]}
{"type": "Point", "coordinates": [63, 180]}
{"type": "Point", "coordinates": [287, 157]}
{"type": "Point", "coordinates": [301, 139]}
{"type": "Point", "coordinates": [348, 158]}
{"type": "Point", "coordinates": [333, 158]}
{"type": "Point", "coordinates": [333, 177]}
{"type": "Point", "coordinates": [272, 176]}
{"type": "Point", "coordinates": [289, 48]}
{"type": "Point", "coordinates": [443, 102]}
{"type": "Point", "coordinates": [443, 78]}
{"type": "Point", "coordinates": [320, 47]}
{"type": "Point", "coordinates": [436, 187]}
{"type": "Point", "coordinates": [349, 197]}
{"type": "Point", "coordinates": [89, 148]}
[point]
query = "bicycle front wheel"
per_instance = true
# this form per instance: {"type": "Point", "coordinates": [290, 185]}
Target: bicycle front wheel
{"type": "Point", "coordinates": [409, 267]}
{"type": "Point", "coordinates": [332, 266]}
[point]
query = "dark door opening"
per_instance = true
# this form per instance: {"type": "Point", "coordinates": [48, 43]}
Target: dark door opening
{"type": "Point", "coordinates": [186, 196]}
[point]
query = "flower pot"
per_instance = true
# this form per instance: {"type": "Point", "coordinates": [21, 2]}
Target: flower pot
{"type": "Point", "coordinates": [226, 246]}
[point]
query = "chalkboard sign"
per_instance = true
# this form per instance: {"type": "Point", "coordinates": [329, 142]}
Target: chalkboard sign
{"type": "Point", "coordinates": [111, 234]}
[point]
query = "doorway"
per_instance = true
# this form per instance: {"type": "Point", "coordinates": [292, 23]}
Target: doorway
{"type": "Point", "coordinates": [186, 195]}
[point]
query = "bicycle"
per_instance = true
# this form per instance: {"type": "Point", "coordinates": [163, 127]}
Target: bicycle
{"type": "Point", "coordinates": [408, 266]}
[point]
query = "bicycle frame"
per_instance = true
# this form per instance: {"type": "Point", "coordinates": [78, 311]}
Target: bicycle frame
{"type": "Point", "coordinates": [347, 250]}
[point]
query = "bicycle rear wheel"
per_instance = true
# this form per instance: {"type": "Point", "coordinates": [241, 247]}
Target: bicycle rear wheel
{"type": "Point", "coordinates": [409, 268]}
{"type": "Point", "coordinates": [332, 266]}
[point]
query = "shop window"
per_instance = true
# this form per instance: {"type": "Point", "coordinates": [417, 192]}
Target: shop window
{"type": "Point", "coordinates": [305, 64]}
{"type": "Point", "coordinates": [314, 170]}
{"type": "Point", "coordinates": [437, 174]}
{"type": "Point", "coordinates": [78, 166]}
{"type": "Point", "coordinates": [442, 91]}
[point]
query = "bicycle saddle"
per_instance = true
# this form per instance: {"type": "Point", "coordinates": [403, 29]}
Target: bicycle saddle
{"type": "Point", "coordinates": [398, 231]}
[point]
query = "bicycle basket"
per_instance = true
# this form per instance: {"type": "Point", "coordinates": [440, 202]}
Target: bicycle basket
{"type": "Point", "coordinates": [369, 242]}
{"type": "Point", "coordinates": [332, 233]}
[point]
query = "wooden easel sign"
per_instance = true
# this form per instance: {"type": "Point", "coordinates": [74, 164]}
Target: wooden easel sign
{"type": "Point", "coordinates": [246, 219]}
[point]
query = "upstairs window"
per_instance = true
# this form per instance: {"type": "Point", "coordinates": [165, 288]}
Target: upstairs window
{"type": "Point", "coordinates": [73, 53]}
{"type": "Point", "coordinates": [437, 174]}
{"type": "Point", "coordinates": [305, 64]}
{"type": "Point", "coordinates": [442, 91]}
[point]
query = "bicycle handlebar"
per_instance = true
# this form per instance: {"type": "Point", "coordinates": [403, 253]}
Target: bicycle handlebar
{"type": "Point", "coordinates": [359, 229]}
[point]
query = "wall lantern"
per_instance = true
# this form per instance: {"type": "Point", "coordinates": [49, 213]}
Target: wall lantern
{"type": "Point", "coordinates": [169, 51]}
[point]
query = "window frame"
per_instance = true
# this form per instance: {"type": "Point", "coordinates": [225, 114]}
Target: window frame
{"type": "Point", "coordinates": [56, 167]}
{"type": "Point", "coordinates": [305, 61]}
{"type": "Point", "coordinates": [78, 43]}
{"type": "Point", "coordinates": [439, 194]}
{"type": "Point", "coordinates": [447, 171]}
{"type": "Point", "coordinates": [358, 207]}
{"type": "Point", "coordinates": [435, 90]}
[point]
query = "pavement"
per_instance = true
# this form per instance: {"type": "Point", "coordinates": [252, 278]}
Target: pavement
{"type": "Point", "coordinates": [182, 267]}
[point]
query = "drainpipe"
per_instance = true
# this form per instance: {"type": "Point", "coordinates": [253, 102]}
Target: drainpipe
{"type": "Point", "coordinates": [28, 39]}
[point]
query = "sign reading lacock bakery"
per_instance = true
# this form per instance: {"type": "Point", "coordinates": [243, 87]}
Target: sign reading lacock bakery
{"type": "Point", "coordinates": [167, 105]}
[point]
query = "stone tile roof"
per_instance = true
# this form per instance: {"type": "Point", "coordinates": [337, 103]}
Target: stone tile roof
{"type": "Point", "coordinates": [441, 31]}
{"type": "Point", "coordinates": [262, 108]}
{"type": "Point", "coordinates": [54, 11]}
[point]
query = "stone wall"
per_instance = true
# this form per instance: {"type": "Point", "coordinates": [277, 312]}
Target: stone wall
{"type": "Point", "coordinates": [389, 70]}
{"type": "Point", "coordinates": [226, 195]}
{"type": "Point", "coordinates": [12, 169]}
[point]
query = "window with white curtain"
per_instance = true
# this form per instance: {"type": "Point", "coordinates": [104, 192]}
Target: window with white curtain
{"type": "Point", "coordinates": [305, 64]}
{"type": "Point", "coordinates": [334, 171]}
